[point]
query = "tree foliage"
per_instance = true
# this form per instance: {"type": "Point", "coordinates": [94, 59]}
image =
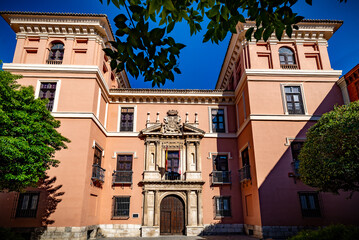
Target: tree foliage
{"type": "Point", "coordinates": [28, 136]}
{"type": "Point", "coordinates": [329, 159]}
{"type": "Point", "coordinates": [152, 53]}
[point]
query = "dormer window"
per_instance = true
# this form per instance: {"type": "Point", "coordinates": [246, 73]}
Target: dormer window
{"type": "Point", "coordinates": [287, 58]}
{"type": "Point", "coordinates": [56, 53]}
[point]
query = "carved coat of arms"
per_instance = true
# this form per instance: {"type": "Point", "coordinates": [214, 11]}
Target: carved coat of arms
{"type": "Point", "coordinates": [172, 122]}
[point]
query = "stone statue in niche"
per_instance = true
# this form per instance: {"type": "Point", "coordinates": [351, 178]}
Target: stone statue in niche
{"type": "Point", "coordinates": [172, 122]}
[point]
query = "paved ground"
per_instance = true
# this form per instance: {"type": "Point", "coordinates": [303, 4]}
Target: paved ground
{"type": "Point", "coordinates": [228, 237]}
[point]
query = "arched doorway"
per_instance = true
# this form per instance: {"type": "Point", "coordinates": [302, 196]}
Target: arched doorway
{"type": "Point", "coordinates": [172, 216]}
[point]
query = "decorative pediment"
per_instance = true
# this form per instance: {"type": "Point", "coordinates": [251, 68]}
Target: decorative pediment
{"type": "Point", "coordinates": [172, 126]}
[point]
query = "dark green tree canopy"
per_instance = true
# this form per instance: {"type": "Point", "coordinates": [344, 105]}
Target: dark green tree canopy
{"type": "Point", "coordinates": [28, 136]}
{"type": "Point", "coordinates": [151, 52]}
{"type": "Point", "coordinates": [329, 159]}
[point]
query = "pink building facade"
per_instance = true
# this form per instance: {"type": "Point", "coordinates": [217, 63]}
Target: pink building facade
{"type": "Point", "coordinates": [150, 162]}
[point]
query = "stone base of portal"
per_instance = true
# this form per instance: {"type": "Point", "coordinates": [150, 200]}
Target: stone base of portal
{"type": "Point", "coordinates": [194, 230]}
{"type": "Point", "coordinates": [153, 231]}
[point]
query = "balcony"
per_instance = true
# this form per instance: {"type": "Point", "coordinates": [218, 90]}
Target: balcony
{"type": "Point", "coordinates": [289, 66]}
{"type": "Point", "coordinates": [245, 173]}
{"type": "Point", "coordinates": [98, 173]}
{"type": "Point", "coordinates": [57, 62]}
{"type": "Point", "coordinates": [122, 177]}
{"type": "Point", "coordinates": [221, 177]}
{"type": "Point", "coordinates": [172, 176]}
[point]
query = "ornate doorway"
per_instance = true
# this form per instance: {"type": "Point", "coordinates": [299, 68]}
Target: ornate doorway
{"type": "Point", "coordinates": [172, 216]}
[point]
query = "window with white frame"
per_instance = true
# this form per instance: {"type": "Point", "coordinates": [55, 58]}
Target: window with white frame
{"type": "Point", "coordinates": [293, 99]}
{"type": "Point", "coordinates": [218, 120]}
{"type": "Point", "coordinates": [48, 91]}
{"type": "Point", "coordinates": [126, 119]}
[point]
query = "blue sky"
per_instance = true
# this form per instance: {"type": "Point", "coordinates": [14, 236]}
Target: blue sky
{"type": "Point", "coordinates": [200, 63]}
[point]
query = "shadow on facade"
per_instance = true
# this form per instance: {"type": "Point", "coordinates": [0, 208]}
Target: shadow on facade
{"type": "Point", "coordinates": [224, 186]}
{"type": "Point", "coordinates": [49, 199]}
{"type": "Point", "coordinates": [279, 192]}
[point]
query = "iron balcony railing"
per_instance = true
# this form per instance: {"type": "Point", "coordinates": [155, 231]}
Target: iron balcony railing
{"type": "Point", "coordinates": [220, 177]}
{"type": "Point", "coordinates": [122, 177]}
{"type": "Point", "coordinates": [49, 61]}
{"type": "Point", "coordinates": [245, 173]}
{"type": "Point", "coordinates": [172, 176]}
{"type": "Point", "coordinates": [289, 66]}
{"type": "Point", "coordinates": [26, 213]}
{"type": "Point", "coordinates": [98, 173]}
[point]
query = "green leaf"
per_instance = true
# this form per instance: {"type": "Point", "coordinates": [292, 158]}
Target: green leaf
{"type": "Point", "coordinates": [289, 31]}
{"type": "Point", "coordinates": [170, 26]}
{"type": "Point", "coordinates": [213, 12]}
{"type": "Point", "coordinates": [279, 32]}
{"type": "Point", "coordinates": [153, 6]}
{"type": "Point", "coordinates": [267, 33]}
{"type": "Point", "coordinates": [249, 33]}
{"type": "Point", "coordinates": [297, 19]}
{"type": "Point", "coordinates": [108, 51]}
{"type": "Point", "coordinates": [241, 18]}
{"type": "Point", "coordinates": [180, 45]}
{"type": "Point", "coordinates": [168, 5]}
{"type": "Point", "coordinates": [309, 2]}
{"type": "Point", "coordinates": [113, 64]}
{"type": "Point", "coordinates": [177, 70]}
{"type": "Point", "coordinates": [224, 12]}
{"type": "Point", "coordinates": [120, 18]}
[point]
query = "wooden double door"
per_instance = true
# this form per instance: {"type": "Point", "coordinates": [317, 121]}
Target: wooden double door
{"type": "Point", "coordinates": [172, 216]}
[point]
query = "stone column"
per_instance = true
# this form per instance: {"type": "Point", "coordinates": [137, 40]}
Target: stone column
{"type": "Point", "coordinates": [158, 155]}
{"type": "Point", "coordinates": [150, 208]}
{"type": "Point", "coordinates": [198, 158]}
{"type": "Point", "coordinates": [191, 208]}
{"type": "Point", "coordinates": [146, 157]}
{"type": "Point", "coordinates": [145, 222]}
{"type": "Point", "coordinates": [200, 209]}
{"type": "Point", "coordinates": [157, 208]}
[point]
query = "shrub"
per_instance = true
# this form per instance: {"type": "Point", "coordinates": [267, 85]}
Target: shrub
{"type": "Point", "coordinates": [332, 232]}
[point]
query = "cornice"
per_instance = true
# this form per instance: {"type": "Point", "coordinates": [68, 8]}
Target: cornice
{"type": "Point", "coordinates": [294, 73]}
{"type": "Point", "coordinates": [310, 31]}
{"type": "Point", "coordinates": [172, 96]}
{"type": "Point", "coordinates": [33, 23]}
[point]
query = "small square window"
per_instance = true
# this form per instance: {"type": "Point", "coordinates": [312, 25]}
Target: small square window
{"type": "Point", "coordinates": [294, 100]}
{"type": "Point", "coordinates": [223, 206]}
{"type": "Point", "coordinates": [126, 124]}
{"type": "Point", "coordinates": [27, 205]}
{"type": "Point", "coordinates": [309, 204]}
{"type": "Point", "coordinates": [218, 123]}
{"type": "Point", "coordinates": [121, 207]}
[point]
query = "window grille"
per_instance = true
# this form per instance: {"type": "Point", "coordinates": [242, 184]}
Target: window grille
{"type": "Point", "coordinates": [48, 91]}
{"type": "Point", "coordinates": [127, 119]}
{"type": "Point", "coordinates": [27, 205]}
{"type": "Point", "coordinates": [121, 206]}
